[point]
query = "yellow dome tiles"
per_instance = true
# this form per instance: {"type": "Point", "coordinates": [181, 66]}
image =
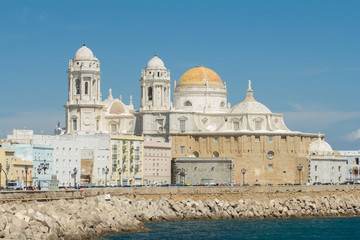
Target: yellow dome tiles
{"type": "Point", "coordinates": [198, 76]}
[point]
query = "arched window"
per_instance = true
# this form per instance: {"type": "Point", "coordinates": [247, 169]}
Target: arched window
{"type": "Point", "coordinates": [74, 124]}
{"type": "Point", "coordinates": [222, 104]}
{"type": "Point", "coordinates": [77, 86]}
{"type": "Point", "coordinates": [150, 94]}
{"type": "Point", "coordinates": [86, 88]}
{"type": "Point", "coordinates": [187, 104]}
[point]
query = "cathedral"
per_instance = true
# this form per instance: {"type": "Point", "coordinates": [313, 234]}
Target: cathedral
{"type": "Point", "coordinates": [211, 141]}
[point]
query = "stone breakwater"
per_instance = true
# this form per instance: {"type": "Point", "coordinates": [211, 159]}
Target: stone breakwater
{"type": "Point", "coordinates": [93, 216]}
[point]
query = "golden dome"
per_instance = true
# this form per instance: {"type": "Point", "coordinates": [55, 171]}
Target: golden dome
{"type": "Point", "coordinates": [198, 76]}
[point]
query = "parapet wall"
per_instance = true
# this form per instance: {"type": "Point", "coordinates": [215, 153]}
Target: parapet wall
{"type": "Point", "coordinates": [181, 193]}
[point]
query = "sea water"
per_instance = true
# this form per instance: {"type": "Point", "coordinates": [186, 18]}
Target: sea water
{"type": "Point", "coordinates": [295, 228]}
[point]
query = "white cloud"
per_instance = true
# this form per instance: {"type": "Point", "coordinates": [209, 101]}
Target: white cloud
{"type": "Point", "coordinates": [353, 136]}
{"type": "Point", "coordinates": [41, 122]}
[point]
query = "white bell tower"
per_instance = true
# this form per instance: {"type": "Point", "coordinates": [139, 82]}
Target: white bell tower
{"type": "Point", "coordinates": [155, 86]}
{"type": "Point", "coordinates": [84, 98]}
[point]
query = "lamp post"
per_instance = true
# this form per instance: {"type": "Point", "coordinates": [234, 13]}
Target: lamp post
{"type": "Point", "coordinates": [350, 171]}
{"type": "Point", "coordinates": [26, 173]}
{"type": "Point", "coordinates": [182, 176]}
{"type": "Point", "coordinates": [243, 171]}
{"type": "Point", "coordinates": [231, 167]}
{"type": "Point", "coordinates": [39, 171]}
{"type": "Point", "coordinates": [6, 179]}
{"type": "Point", "coordinates": [119, 171]}
{"type": "Point", "coordinates": [299, 168]}
{"type": "Point", "coordinates": [106, 173]}
{"type": "Point", "coordinates": [75, 172]}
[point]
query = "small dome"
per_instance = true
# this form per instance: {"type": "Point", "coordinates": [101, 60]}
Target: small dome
{"type": "Point", "coordinates": [199, 77]}
{"type": "Point", "coordinates": [156, 63]}
{"type": "Point", "coordinates": [320, 148]}
{"type": "Point", "coordinates": [84, 53]}
{"type": "Point", "coordinates": [117, 108]}
{"type": "Point", "coordinates": [250, 107]}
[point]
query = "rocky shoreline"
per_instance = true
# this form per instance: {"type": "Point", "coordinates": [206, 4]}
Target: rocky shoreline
{"type": "Point", "coordinates": [95, 216]}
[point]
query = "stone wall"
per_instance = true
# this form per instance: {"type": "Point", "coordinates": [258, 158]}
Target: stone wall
{"type": "Point", "coordinates": [182, 193]}
{"type": "Point", "coordinates": [93, 216]}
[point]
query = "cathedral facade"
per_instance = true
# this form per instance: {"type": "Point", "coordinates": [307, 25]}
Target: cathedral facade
{"type": "Point", "coordinates": [199, 123]}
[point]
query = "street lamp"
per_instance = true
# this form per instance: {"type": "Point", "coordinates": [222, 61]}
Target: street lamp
{"type": "Point", "coordinates": [26, 173]}
{"type": "Point", "coordinates": [350, 171]}
{"type": "Point", "coordinates": [39, 171]}
{"type": "Point", "coordinates": [6, 180]}
{"type": "Point", "coordinates": [106, 173]}
{"type": "Point", "coordinates": [75, 172]}
{"type": "Point", "coordinates": [231, 167]}
{"type": "Point", "coordinates": [119, 171]}
{"type": "Point", "coordinates": [182, 176]}
{"type": "Point", "coordinates": [243, 171]}
{"type": "Point", "coordinates": [299, 168]}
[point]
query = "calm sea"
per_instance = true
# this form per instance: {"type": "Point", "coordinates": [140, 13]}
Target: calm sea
{"type": "Point", "coordinates": [302, 228]}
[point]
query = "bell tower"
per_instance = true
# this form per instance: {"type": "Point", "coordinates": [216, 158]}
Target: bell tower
{"type": "Point", "coordinates": [84, 98]}
{"type": "Point", "coordinates": [155, 86]}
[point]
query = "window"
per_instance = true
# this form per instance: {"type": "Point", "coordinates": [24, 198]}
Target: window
{"type": "Point", "coordinates": [150, 94]}
{"type": "Point", "coordinates": [216, 139]}
{"type": "Point", "coordinates": [182, 125]}
{"type": "Point", "coordinates": [196, 154]}
{"type": "Point", "coordinates": [222, 104]}
{"type": "Point", "coordinates": [74, 124]}
{"type": "Point", "coordinates": [236, 126]}
{"type": "Point", "coordinates": [257, 125]}
{"type": "Point", "coordinates": [357, 161]}
{"type": "Point", "coordinates": [257, 138]}
{"type": "Point", "coordinates": [216, 154]}
{"type": "Point", "coordinates": [187, 104]}
{"type": "Point", "coordinates": [270, 166]}
{"type": "Point", "coordinates": [182, 150]}
{"type": "Point", "coordinates": [86, 88]}
{"type": "Point", "coordinates": [77, 86]}
{"type": "Point", "coordinates": [316, 168]}
{"type": "Point", "coordinates": [270, 138]}
{"type": "Point", "coordinates": [283, 138]}
{"type": "Point", "coordinates": [339, 168]}
{"type": "Point", "coordinates": [316, 178]}
{"type": "Point", "coordinates": [97, 125]}
{"type": "Point", "coordinates": [113, 127]}
{"type": "Point", "coordinates": [270, 154]}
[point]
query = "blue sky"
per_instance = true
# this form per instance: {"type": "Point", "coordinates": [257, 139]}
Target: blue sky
{"type": "Point", "coordinates": [302, 56]}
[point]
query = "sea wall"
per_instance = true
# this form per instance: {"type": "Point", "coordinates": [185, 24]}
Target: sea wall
{"type": "Point", "coordinates": [181, 193]}
{"type": "Point", "coordinates": [92, 216]}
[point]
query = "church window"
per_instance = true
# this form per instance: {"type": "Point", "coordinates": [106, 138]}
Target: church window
{"type": "Point", "coordinates": [357, 161]}
{"type": "Point", "coordinates": [196, 154]}
{"type": "Point", "coordinates": [339, 168]}
{"type": "Point", "coordinates": [257, 125]}
{"type": "Point", "coordinates": [222, 104]}
{"type": "Point", "coordinates": [257, 138]}
{"type": "Point", "coordinates": [182, 150]}
{"type": "Point", "coordinates": [77, 86]}
{"type": "Point", "coordinates": [216, 139]}
{"type": "Point", "coordinates": [283, 138]}
{"type": "Point", "coordinates": [216, 154]}
{"type": "Point", "coordinates": [113, 127]}
{"type": "Point", "coordinates": [236, 126]}
{"type": "Point", "coordinates": [182, 125]}
{"type": "Point", "coordinates": [270, 154]}
{"type": "Point", "coordinates": [74, 124]}
{"type": "Point", "coordinates": [316, 168]}
{"type": "Point", "coordinates": [187, 104]}
{"type": "Point", "coordinates": [97, 125]}
{"type": "Point", "coordinates": [86, 88]}
{"type": "Point", "coordinates": [158, 74]}
{"type": "Point", "coordinates": [150, 92]}
{"type": "Point", "coordinates": [270, 138]}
